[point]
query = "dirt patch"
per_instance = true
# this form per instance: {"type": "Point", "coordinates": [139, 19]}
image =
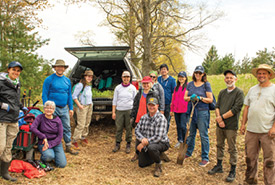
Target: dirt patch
{"type": "Point", "coordinates": [97, 164]}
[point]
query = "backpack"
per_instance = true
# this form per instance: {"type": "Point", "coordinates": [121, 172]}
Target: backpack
{"type": "Point", "coordinates": [74, 104]}
{"type": "Point", "coordinates": [212, 106]}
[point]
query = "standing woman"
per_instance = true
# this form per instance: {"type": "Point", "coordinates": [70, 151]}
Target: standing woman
{"type": "Point", "coordinates": [158, 90]}
{"type": "Point", "coordinates": [124, 95]}
{"type": "Point", "coordinates": [199, 89]}
{"type": "Point", "coordinates": [9, 112]}
{"type": "Point", "coordinates": [83, 98]}
{"type": "Point", "coordinates": [179, 106]}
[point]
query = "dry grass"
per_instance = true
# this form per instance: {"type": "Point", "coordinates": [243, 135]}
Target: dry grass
{"type": "Point", "coordinates": [96, 164]}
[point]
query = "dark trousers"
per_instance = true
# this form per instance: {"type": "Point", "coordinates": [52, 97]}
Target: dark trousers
{"type": "Point", "coordinates": [151, 154]}
{"type": "Point", "coordinates": [167, 115]}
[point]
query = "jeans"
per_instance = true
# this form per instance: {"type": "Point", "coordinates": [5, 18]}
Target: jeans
{"type": "Point", "coordinates": [167, 115]}
{"type": "Point", "coordinates": [63, 114]}
{"type": "Point", "coordinates": [181, 120]}
{"type": "Point", "coordinates": [201, 124]}
{"type": "Point", "coordinates": [56, 153]}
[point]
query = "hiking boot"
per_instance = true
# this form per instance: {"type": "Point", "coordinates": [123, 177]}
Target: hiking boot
{"type": "Point", "coordinates": [164, 157]}
{"type": "Point", "coordinates": [204, 163]}
{"type": "Point", "coordinates": [84, 142]}
{"type": "Point", "coordinates": [216, 169]}
{"type": "Point", "coordinates": [75, 146]}
{"type": "Point", "coordinates": [69, 150]}
{"type": "Point", "coordinates": [117, 147]}
{"type": "Point", "coordinates": [134, 158]}
{"type": "Point", "coordinates": [158, 170]}
{"type": "Point", "coordinates": [232, 174]}
{"type": "Point", "coordinates": [128, 148]}
{"type": "Point", "coordinates": [5, 171]}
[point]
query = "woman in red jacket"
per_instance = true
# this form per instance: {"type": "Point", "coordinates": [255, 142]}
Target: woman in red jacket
{"type": "Point", "coordinates": [179, 106]}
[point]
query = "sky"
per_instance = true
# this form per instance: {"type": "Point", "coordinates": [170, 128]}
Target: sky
{"type": "Point", "coordinates": [247, 27]}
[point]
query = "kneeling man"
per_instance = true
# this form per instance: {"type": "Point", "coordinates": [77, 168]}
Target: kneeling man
{"type": "Point", "coordinates": [151, 134]}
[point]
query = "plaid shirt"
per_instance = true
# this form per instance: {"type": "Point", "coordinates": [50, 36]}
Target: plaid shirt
{"type": "Point", "coordinates": [153, 128]}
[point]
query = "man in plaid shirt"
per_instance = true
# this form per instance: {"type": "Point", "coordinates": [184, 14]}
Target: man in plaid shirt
{"type": "Point", "coordinates": [151, 135]}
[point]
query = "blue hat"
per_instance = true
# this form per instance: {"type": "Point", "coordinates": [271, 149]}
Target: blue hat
{"type": "Point", "coordinates": [199, 69]}
{"type": "Point", "coordinates": [15, 64]}
{"type": "Point", "coordinates": [183, 74]}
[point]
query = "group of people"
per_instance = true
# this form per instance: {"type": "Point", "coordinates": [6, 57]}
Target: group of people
{"type": "Point", "coordinates": [148, 110]}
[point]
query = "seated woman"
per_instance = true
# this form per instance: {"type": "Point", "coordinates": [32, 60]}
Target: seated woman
{"type": "Point", "coordinates": [49, 130]}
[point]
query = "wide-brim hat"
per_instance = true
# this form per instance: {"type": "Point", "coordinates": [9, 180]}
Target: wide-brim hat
{"type": "Point", "coordinates": [88, 73]}
{"type": "Point", "coordinates": [60, 62]}
{"type": "Point", "coordinates": [265, 67]}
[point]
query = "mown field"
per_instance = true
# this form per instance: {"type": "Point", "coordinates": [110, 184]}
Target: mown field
{"type": "Point", "coordinates": [96, 164]}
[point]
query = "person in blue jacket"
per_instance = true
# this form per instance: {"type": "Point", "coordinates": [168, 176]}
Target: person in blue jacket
{"type": "Point", "coordinates": [168, 84]}
{"type": "Point", "coordinates": [58, 89]}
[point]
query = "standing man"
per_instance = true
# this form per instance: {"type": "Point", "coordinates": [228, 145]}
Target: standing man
{"type": "Point", "coordinates": [57, 88]}
{"type": "Point", "coordinates": [151, 135]}
{"type": "Point", "coordinates": [259, 113]}
{"type": "Point", "coordinates": [168, 84]}
{"type": "Point", "coordinates": [228, 108]}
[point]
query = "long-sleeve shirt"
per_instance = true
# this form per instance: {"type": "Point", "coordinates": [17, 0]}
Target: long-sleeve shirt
{"type": "Point", "coordinates": [168, 86]}
{"type": "Point", "coordinates": [231, 101]}
{"type": "Point", "coordinates": [59, 90]}
{"type": "Point", "coordinates": [50, 129]}
{"type": "Point", "coordinates": [86, 96]}
{"type": "Point", "coordinates": [124, 97]}
{"type": "Point", "coordinates": [153, 128]}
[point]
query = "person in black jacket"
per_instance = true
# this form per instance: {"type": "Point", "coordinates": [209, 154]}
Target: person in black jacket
{"type": "Point", "coordinates": [9, 112]}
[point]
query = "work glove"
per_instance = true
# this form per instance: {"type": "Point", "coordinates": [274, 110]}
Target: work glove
{"type": "Point", "coordinates": [5, 106]}
{"type": "Point", "coordinates": [199, 98]}
{"type": "Point", "coordinates": [25, 109]}
{"type": "Point", "coordinates": [193, 97]}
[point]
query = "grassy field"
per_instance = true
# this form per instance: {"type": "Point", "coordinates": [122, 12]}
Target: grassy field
{"type": "Point", "coordinates": [96, 164]}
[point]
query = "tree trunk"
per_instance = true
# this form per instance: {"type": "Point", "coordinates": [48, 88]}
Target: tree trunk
{"type": "Point", "coordinates": [147, 55]}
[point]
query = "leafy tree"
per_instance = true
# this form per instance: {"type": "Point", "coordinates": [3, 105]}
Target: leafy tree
{"type": "Point", "coordinates": [18, 41]}
{"type": "Point", "coordinates": [263, 57]}
{"type": "Point", "coordinates": [244, 67]}
{"type": "Point", "coordinates": [211, 58]}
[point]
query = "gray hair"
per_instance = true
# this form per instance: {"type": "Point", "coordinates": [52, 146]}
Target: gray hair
{"type": "Point", "coordinates": [49, 103]}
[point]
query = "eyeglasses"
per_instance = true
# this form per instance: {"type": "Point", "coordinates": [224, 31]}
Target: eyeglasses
{"type": "Point", "coordinates": [48, 108]}
{"type": "Point", "coordinates": [152, 76]}
{"type": "Point", "coordinates": [198, 72]}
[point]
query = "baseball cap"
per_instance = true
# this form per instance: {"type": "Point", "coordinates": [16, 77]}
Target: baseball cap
{"type": "Point", "coordinates": [126, 73]}
{"type": "Point", "coordinates": [153, 101]}
{"type": "Point", "coordinates": [229, 71]}
{"type": "Point", "coordinates": [199, 69]}
{"type": "Point", "coordinates": [146, 79]}
{"type": "Point", "coordinates": [182, 73]}
{"type": "Point", "coordinates": [15, 64]}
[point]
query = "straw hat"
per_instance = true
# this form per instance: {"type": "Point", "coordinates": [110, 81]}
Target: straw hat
{"type": "Point", "coordinates": [60, 62]}
{"type": "Point", "coordinates": [265, 67]}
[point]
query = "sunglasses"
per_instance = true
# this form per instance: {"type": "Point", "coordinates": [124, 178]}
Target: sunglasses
{"type": "Point", "coordinates": [197, 72]}
{"type": "Point", "coordinates": [152, 76]}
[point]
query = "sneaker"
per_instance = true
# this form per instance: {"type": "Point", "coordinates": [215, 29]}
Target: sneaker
{"type": "Point", "coordinates": [75, 146]}
{"type": "Point", "coordinates": [216, 169]}
{"type": "Point", "coordinates": [177, 145]}
{"type": "Point", "coordinates": [84, 142]}
{"type": "Point", "coordinates": [203, 163]}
